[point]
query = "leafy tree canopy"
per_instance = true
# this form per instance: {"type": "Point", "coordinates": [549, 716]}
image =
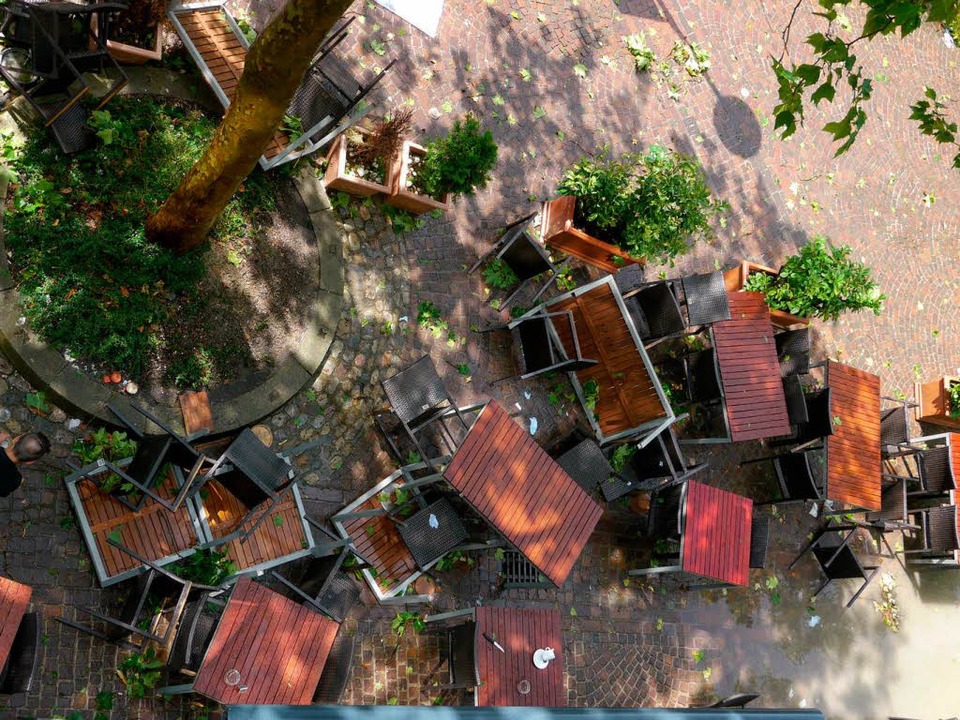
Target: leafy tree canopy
{"type": "Point", "coordinates": [836, 64]}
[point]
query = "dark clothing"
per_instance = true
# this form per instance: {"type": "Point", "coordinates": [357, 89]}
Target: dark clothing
{"type": "Point", "coordinates": [10, 477]}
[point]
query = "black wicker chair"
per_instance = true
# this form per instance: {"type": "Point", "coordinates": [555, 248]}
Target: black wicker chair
{"type": "Point", "coordinates": [705, 298]}
{"type": "Point", "coordinates": [819, 422]}
{"type": "Point", "coordinates": [797, 476]}
{"type": "Point", "coordinates": [938, 531]}
{"type": "Point", "coordinates": [655, 313]}
{"type": "Point", "coordinates": [337, 669]}
{"type": "Point", "coordinates": [796, 401]}
{"type": "Point", "coordinates": [893, 512]}
{"type": "Point", "coordinates": [667, 508]}
{"type": "Point", "coordinates": [661, 460]}
{"type": "Point", "coordinates": [587, 464]}
{"type": "Point", "coordinates": [793, 351]}
{"type": "Point", "coordinates": [934, 472]}
{"type": "Point", "coordinates": [538, 351]}
{"type": "Point", "coordinates": [23, 663]}
{"type": "Point", "coordinates": [831, 548]}
{"type": "Point", "coordinates": [199, 622]}
{"type": "Point", "coordinates": [759, 541]}
{"type": "Point", "coordinates": [460, 654]}
{"type": "Point", "coordinates": [525, 257]}
{"type": "Point", "coordinates": [702, 376]}
{"type": "Point", "coordinates": [418, 398]}
{"type": "Point", "coordinates": [325, 586]}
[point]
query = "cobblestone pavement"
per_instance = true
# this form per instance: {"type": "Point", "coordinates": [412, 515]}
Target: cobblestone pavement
{"type": "Point", "coordinates": [625, 642]}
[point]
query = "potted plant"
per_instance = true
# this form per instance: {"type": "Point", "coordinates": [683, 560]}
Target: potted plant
{"type": "Point", "coordinates": [360, 160]}
{"type": "Point", "coordinates": [939, 402]}
{"type": "Point", "coordinates": [627, 210]}
{"type": "Point", "coordinates": [110, 446]}
{"type": "Point", "coordinates": [819, 281]}
{"type": "Point", "coordinates": [736, 278]}
{"type": "Point", "coordinates": [134, 35]}
{"type": "Point", "coordinates": [424, 179]}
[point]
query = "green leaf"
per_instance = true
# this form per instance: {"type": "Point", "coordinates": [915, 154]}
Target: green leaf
{"type": "Point", "coordinates": [573, 612]}
{"type": "Point", "coordinates": [539, 112]}
{"type": "Point", "coordinates": [114, 536]}
{"type": "Point", "coordinates": [234, 259]}
{"type": "Point", "coordinates": [825, 92]}
{"type": "Point", "coordinates": [278, 520]}
{"type": "Point", "coordinates": [580, 70]}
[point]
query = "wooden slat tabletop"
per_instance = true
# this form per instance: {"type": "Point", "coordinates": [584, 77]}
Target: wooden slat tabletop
{"type": "Point", "coordinates": [510, 480]}
{"type": "Point", "coordinates": [853, 450]}
{"type": "Point", "coordinates": [716, 536]}
{"type": "Point", "coordinates": [749, 371]}
{"type": "Point", "coordinates": [14, 600]}
{"type": "Point", "coordinates": [521, 632]}
{"type": "Point", "coordinates": [278, 647]}
{"type": "Point", "coordinates": [627, 394]}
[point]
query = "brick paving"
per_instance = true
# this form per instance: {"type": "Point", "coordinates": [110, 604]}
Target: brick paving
{"type": "Point", "coordinates": [626, 642]}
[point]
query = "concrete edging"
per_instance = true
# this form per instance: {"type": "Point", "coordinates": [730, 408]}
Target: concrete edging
{"type": "Point", "coordinates": [82, 396]}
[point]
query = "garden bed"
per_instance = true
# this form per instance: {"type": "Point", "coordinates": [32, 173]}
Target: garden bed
{"type": "Point", "coordinates": [93, 288]}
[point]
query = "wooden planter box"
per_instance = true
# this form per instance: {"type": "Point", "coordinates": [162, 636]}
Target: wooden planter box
{"type": "Point", "coordinates": [557, 230]}
{"type": "Point", "coordinates": [933, 399]}
{"type": "Point", "coordinates": [132, 54]}
{"type": "Point", "coordinates": [337, 178]}
{"type": "Point", "coordinates": [402, 197]}
{"type": "Point", "coordinates": [736, 277]}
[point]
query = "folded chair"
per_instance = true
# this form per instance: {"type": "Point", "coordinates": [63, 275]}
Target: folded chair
{"type": "Point", "coordinates": [759, 541]}
{"type": "Point", "coordinates": [337, 669]}
{"type": "Point", "coordinates": [705, 299]}
{"type": "Point", "coordinates": [831, 548]}
{"type": "Point", "coordinates": [655, 313]}
{"type": "Point", "coordinates": [665, 517]}
{"type": "Point", "coordinates": [798, 477]}
{"type": "Point", "coordinates": [525, 257]}
{"type": "Point", "coordinates": [23, 662]}
{"type": "Point", "coordinates": [587, 464]}
{"type": "Point", "coordinates": [197, 626]}
{"type": "Point", "coordinates": [459, 646]}
{"type": "Point", "coordinates": [938, 531]}
{"type": "Point", "coordinates": [135, 623]}
{"type": "Point", "coordinates": [538, 350]}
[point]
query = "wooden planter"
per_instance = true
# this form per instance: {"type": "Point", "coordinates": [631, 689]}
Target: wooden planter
{"type": "Point", "coordinates": [736, 277]}
{"type": "Point", "coordinates": [403, 197]}
{"type": "Point", "coordinates": [337, 178]}
{"type": "Point", "coordinates": [934, 402]}
{"type": "Point", "coordinates": [132, 54]}
{"type": "Point", "coordinates": [557, 230]}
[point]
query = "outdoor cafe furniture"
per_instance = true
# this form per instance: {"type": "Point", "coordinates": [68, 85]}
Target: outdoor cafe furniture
{"type": "Point", "coordinates": [746, 369]}
{"type": "Point", "coordinates": [418, 398]}
{"type": "Point", "coordinates": [655, 312]}
{"type": "Point", "coordinates": [526, 258]}
{"type": "Point", "coordinates": [266, 649]}
{"type": "Point", "coordinates": [712, 530]}
{"type": "Point", "coordinates": [793, 351]}
{"type": "Point", "coordinates": [19, 638]}
{"type": "Point", "coordinates": [537, 347]}
{"type": "Point", "coordinates": [657, 306]}
{"type": "Point", "coordinates": [630, 402]}
{"type": "Point", "coordinates": [831, 546]}
{"type": "Point", "coordinates": [151, 611]}
{"type": "Point", "coordinates": [512, 656]}
{"type": "Point", "coordinates": [511, 482]}
{"type": "Point", "coordinates": [937, 541]}
{"type": "Point", "coordinates": [799, 476]}
{"type": "Point", "coordinates": [894, 429]}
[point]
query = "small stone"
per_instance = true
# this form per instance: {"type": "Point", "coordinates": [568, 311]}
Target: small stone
{"type": "Point", "coordinates": [57, 415]}
{"type": "Point", "coordinates": [73, 423]}
{"type": "Point", "coordinates": [434, 112]}
{"type": "Point", "coordinates": [5, 367]}
{"type": "Point", "coordinates": [132, 388]}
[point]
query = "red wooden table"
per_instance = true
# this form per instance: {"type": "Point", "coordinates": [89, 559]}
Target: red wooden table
{"type": "Point", "coordinates": [716, 534]}
{"type": "Point", "coordinates": [749, 372]}
{"type": "Point", "coordinates": [512, 482]}
{"type": "Point", "coordinates": [278, 647]}
{"type": "Point", "coordinates": [14, 600]}
{"type": "Point", "coordinates": [853, 450]}
{"type": "Point", "coordinates": [521, 632]}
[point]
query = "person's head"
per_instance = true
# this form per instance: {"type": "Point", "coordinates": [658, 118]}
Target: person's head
{"type": "Point", "coordinates": [30, 447]}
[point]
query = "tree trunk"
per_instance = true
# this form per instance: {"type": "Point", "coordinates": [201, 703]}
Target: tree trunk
{"type": "Point", "coordinates": [273, 70]}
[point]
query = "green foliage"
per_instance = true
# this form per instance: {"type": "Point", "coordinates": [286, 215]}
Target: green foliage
{"type": "Point", "coordinates": [459, 162]}
{"type": "Point", "coordinates": [497, 274]}
{"type": "Point", "coordinates": [101, 443]}
{"type": "Point", "coordinates": [400, 220]}
{"type": "Point", "coordinates": [450, 560]}
{"type": "Point", "coordinates": [643, 56]}
{"type": "Point", "coordinates": [694, 59]}
{"type": "Point", "coordinates": [651, 205]}
{"type": "Point", "coordinates": [207, 567]}
{"type": "Point", "coordinates": [929, 115]}
{"type": "Point", "coordinates": [89, 280]}
{"type": "Point", "coordinates": [953, 392]}
{"type": "Point", "coordinates": [428, 315]}
{"type": "Point", "coordinates": [402, 619]}
{"type": "Point", "coordinates": [37, 401]}
{"type": "Point", "coordinates": [820, 281]}
{"type": "Point", "coordinates": [140, 673]}
{"type": "Point", "coordinates": [292, 126]}
{"type": "Point", "coordinates": [621, 456]}
{"type": "Point", "coordinates": [835, 65]}
{"type": "Point", "coordinates": [591, 393]}
{"type": "Point", "coordinates": [194, 372]}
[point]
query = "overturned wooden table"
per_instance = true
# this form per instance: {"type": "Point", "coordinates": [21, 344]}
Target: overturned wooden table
{"type": "Point", "coordinates": [14, 600]}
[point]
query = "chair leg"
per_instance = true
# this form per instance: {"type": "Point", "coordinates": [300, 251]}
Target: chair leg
{"type": "Point", "coordinates": [823, 586]}
{"type": "Point", "coordinates": [863, 587]}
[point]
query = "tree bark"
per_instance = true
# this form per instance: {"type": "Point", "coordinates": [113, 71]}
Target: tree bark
{"type": "Point", "coordinates": [273, 70]}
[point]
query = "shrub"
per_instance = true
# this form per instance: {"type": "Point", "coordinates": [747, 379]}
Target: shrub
{"type": "Point", "coordinates": [953, 392]}
{"type": "Point", "coordinates": [385, 138]}
{"type": "Point", "coordinates": [819, 281]}
{"type": "Point", "coordinates": [653, 205]}
{"type": "Point", "coordinates": [459, 162]}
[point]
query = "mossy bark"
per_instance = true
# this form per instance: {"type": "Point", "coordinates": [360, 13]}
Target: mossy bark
{"type": "Point", "coordinates": [274, 67]}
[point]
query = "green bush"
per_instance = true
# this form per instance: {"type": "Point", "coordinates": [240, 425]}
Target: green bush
{"type": "Point", "coordinates": [653, 205]}
{"type": "Point", "coordinates": [954, 394]}
{"type": "Point", "coordinates": [820, 281]}
{"type": "Point", "coordinates": [89, 280]}
{"type": "Point", "coordinates": [459, 162]}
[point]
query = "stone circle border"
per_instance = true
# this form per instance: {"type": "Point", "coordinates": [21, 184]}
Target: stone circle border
{"type": "Point", "coordinates": [82, 396]}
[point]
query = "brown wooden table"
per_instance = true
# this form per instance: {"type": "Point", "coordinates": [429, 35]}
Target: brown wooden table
{"type": "Point", "coordinates": [512, 482]}
{"type": "Point", "coordinates": [14, 600]}
{"type": "Point", "coordinates": [853, 464]}
{"type": "Point", "coordinates": [749, 372]}
{"type": "Point", "coordinates": [521, 632]}
{"type": "Point", "coordinates": [716, 534]}
{"type": "Point", "coordinates": [278, 646]}
{"type": "Point", "coordinates": [629, 392]}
